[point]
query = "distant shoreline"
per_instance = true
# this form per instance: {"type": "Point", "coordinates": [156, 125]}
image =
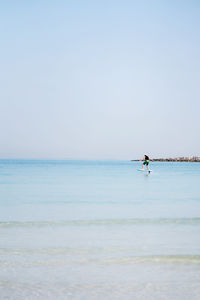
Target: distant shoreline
{"type": "Point", "coordinates": [176, 159]}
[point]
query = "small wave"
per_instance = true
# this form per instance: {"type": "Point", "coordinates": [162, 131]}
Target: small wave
{"type": "Point", "coordinates": [155, 259]}
{"type": "Point", "coordinates": [107, 222]}
{"type": "Point", "coordinates": [158, 259]}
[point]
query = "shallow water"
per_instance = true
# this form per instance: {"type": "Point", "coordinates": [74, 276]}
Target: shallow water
{"type": "Point", "coordinates": [99, 230]}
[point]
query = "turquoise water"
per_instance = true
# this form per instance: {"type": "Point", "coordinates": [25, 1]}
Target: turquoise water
{"type": "Point", "coordinates": [99, 230]}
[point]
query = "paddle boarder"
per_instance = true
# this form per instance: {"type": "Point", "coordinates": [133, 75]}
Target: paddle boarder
{"type": "Point", "coordinates": [146, 160]}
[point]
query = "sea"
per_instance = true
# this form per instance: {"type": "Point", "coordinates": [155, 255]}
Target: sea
{"type": "Point", "coordinates": [99, 230]}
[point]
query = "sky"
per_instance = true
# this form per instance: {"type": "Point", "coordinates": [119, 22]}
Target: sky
{"type": "Point", "coordinates": [107, 79]}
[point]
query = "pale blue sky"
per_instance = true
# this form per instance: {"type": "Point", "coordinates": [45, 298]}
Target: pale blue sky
{"type": "Point", "coordinates": [99, 79]}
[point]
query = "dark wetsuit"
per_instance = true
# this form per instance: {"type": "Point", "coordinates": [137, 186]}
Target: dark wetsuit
{"type": "Point", "coordinates": [146, 161]}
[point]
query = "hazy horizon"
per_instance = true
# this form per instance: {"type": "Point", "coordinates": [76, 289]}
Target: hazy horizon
{"type": "Point", "coordinates": [99, 80]}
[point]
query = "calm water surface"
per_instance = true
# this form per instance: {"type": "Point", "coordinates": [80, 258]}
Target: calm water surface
{"type": "Point", "coordinates": [99, 230]}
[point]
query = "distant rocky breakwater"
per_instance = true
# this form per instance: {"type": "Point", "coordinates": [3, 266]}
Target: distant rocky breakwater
{"type": "Point", "coordinates": [176, 159]}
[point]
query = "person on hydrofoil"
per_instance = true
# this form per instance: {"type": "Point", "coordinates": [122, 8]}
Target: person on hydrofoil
{"type": "Point", "coordinates": [146, 160]}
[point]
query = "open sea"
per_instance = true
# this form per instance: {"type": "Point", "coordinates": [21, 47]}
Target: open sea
{"type": "Point", "coordinates": [99, 230]}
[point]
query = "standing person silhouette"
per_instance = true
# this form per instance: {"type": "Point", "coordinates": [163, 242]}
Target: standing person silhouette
{"type": "Point", "coordinates": [146, 160]}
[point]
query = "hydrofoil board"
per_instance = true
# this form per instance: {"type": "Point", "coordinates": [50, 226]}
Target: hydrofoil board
{"type": "Point", "coordinates": [145, 170]}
